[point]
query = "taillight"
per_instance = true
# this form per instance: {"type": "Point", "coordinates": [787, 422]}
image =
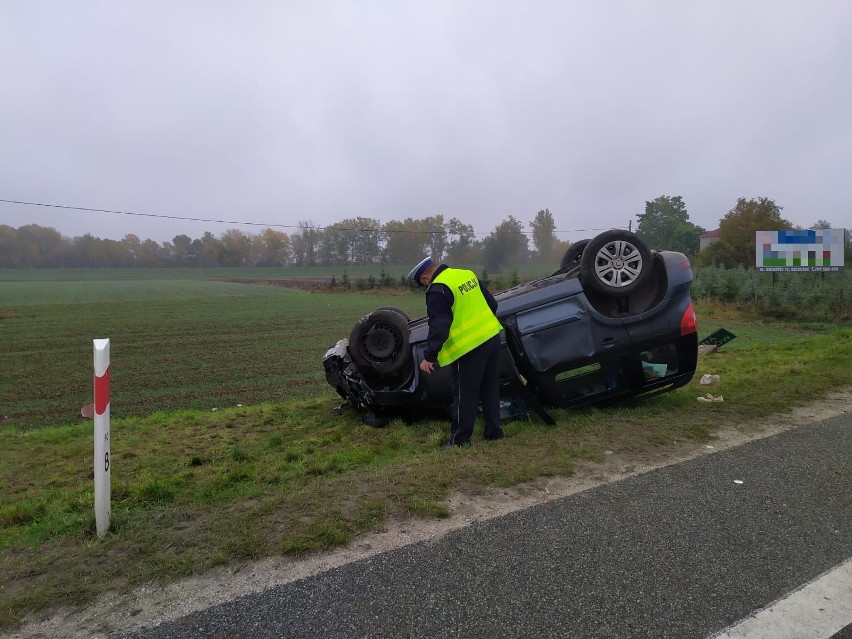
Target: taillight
{"type": "Point", "coordinates": [688, 323]}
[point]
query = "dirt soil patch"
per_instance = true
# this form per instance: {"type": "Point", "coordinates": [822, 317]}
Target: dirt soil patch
{"type": "Point", "coordinates": [151, 604]}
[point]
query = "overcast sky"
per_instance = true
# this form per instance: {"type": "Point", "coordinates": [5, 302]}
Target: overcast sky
{"type": "Point", "coordinates": [275, 112]}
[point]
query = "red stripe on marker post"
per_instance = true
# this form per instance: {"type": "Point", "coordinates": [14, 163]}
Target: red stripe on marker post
{"type": "Point", "coordinates": [102, 392]}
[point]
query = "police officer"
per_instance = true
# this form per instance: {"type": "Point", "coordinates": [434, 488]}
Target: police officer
{"type": "Point", "coordinates": [465, 335]}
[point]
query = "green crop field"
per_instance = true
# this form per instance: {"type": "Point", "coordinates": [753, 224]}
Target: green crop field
{"type": "Point", "coordinates": [198, 273]}
{"type": "Point", "coordinates": [174, 343]}
{"type": "Point", "coordinates": [526, 271]}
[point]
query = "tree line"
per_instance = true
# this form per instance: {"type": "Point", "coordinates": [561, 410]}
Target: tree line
{"type": "Point", "coordinates": [365, 241]}
{"type": "Point", "coordinates": [665, 225]}
{"type": "Point", "coordinates": [352, 242]}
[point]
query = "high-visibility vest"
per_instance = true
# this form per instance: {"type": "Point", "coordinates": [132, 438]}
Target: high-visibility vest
{"type": "Point", "coordinates": [473, 322]}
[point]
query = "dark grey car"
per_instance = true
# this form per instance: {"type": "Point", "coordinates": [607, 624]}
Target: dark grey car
{"type": "Point", "coordinates": [615, 322]}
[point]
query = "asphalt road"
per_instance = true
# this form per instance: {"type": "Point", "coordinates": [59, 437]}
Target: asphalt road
{"type": "Point", "coordinates": [683, 551]}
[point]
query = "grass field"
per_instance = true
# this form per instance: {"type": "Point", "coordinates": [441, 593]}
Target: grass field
{"type": "Point", "coordinates": [175, 344]}
{"type": "Point", "coordinates": [192, 274]}
{"type": "Point", "coordinates": [285, 473]}
{"type": "Point", "coordinates": [527, 271]}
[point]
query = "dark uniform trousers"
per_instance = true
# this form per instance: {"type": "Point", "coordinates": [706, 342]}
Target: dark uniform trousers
{"type": "Point", "coordinates": [476, 376]}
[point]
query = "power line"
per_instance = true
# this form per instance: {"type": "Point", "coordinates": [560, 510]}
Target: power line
{"type": "Point", "coordinates": [134, 213]}
{"type": "Point", "coordinates": [213, 221]}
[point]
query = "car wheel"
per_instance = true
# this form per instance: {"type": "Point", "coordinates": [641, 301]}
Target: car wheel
{"type": "Point", "coordinates": [379, 343]}
{"type": "Point", "coordinates": [396, 310]}
{"type": "Point", "coordinates": [573, 254]}
{"type": "Point", "coordinates": [615, 263]}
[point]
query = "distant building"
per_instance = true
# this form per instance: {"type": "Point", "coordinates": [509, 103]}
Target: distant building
{"type": "Point", "coordinates": [707, 238]}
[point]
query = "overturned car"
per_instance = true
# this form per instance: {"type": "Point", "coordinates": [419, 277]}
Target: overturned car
{"type": "Point", "coordinates": [615, 322]}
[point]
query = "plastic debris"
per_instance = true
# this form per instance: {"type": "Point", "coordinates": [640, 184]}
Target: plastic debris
{"type": "Point", "coordinates": [708, 379]}
{"type": "Point", "coordinates": [738, 481]}
{"type": "Point", "coordinates": [717, 338]}
{"type": "Point", "coordinates": [711, 398]}
{"type": "Point", "coordinates": [654, 371]}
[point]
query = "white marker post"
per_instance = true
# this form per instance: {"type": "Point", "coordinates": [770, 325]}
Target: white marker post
{"type": "Point", "coordinates": [102, 462]}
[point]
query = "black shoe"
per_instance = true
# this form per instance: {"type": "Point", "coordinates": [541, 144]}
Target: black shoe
{"type": "Point", "coordinates": [498, 435]}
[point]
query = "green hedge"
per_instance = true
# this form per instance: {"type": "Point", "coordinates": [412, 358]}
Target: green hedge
{"type": "Point", "coordinates": [817, 296]}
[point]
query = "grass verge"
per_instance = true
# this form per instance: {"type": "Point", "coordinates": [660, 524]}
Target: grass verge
{"type": "Point", "coordinates": [195, 489]}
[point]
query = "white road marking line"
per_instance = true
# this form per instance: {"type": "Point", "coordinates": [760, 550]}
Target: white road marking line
{"type": "Point", "coordinates": [816, 611]}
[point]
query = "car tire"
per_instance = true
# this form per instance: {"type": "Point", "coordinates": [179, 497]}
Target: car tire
{"type": "Point", "coordinates": [572, 255]}
{"type": "Point", "coordinates": [615, 263]}
{"type": "Point", "coordinates": [379, 343]}
{"type": "Point", "coordinates": [396, 310]}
